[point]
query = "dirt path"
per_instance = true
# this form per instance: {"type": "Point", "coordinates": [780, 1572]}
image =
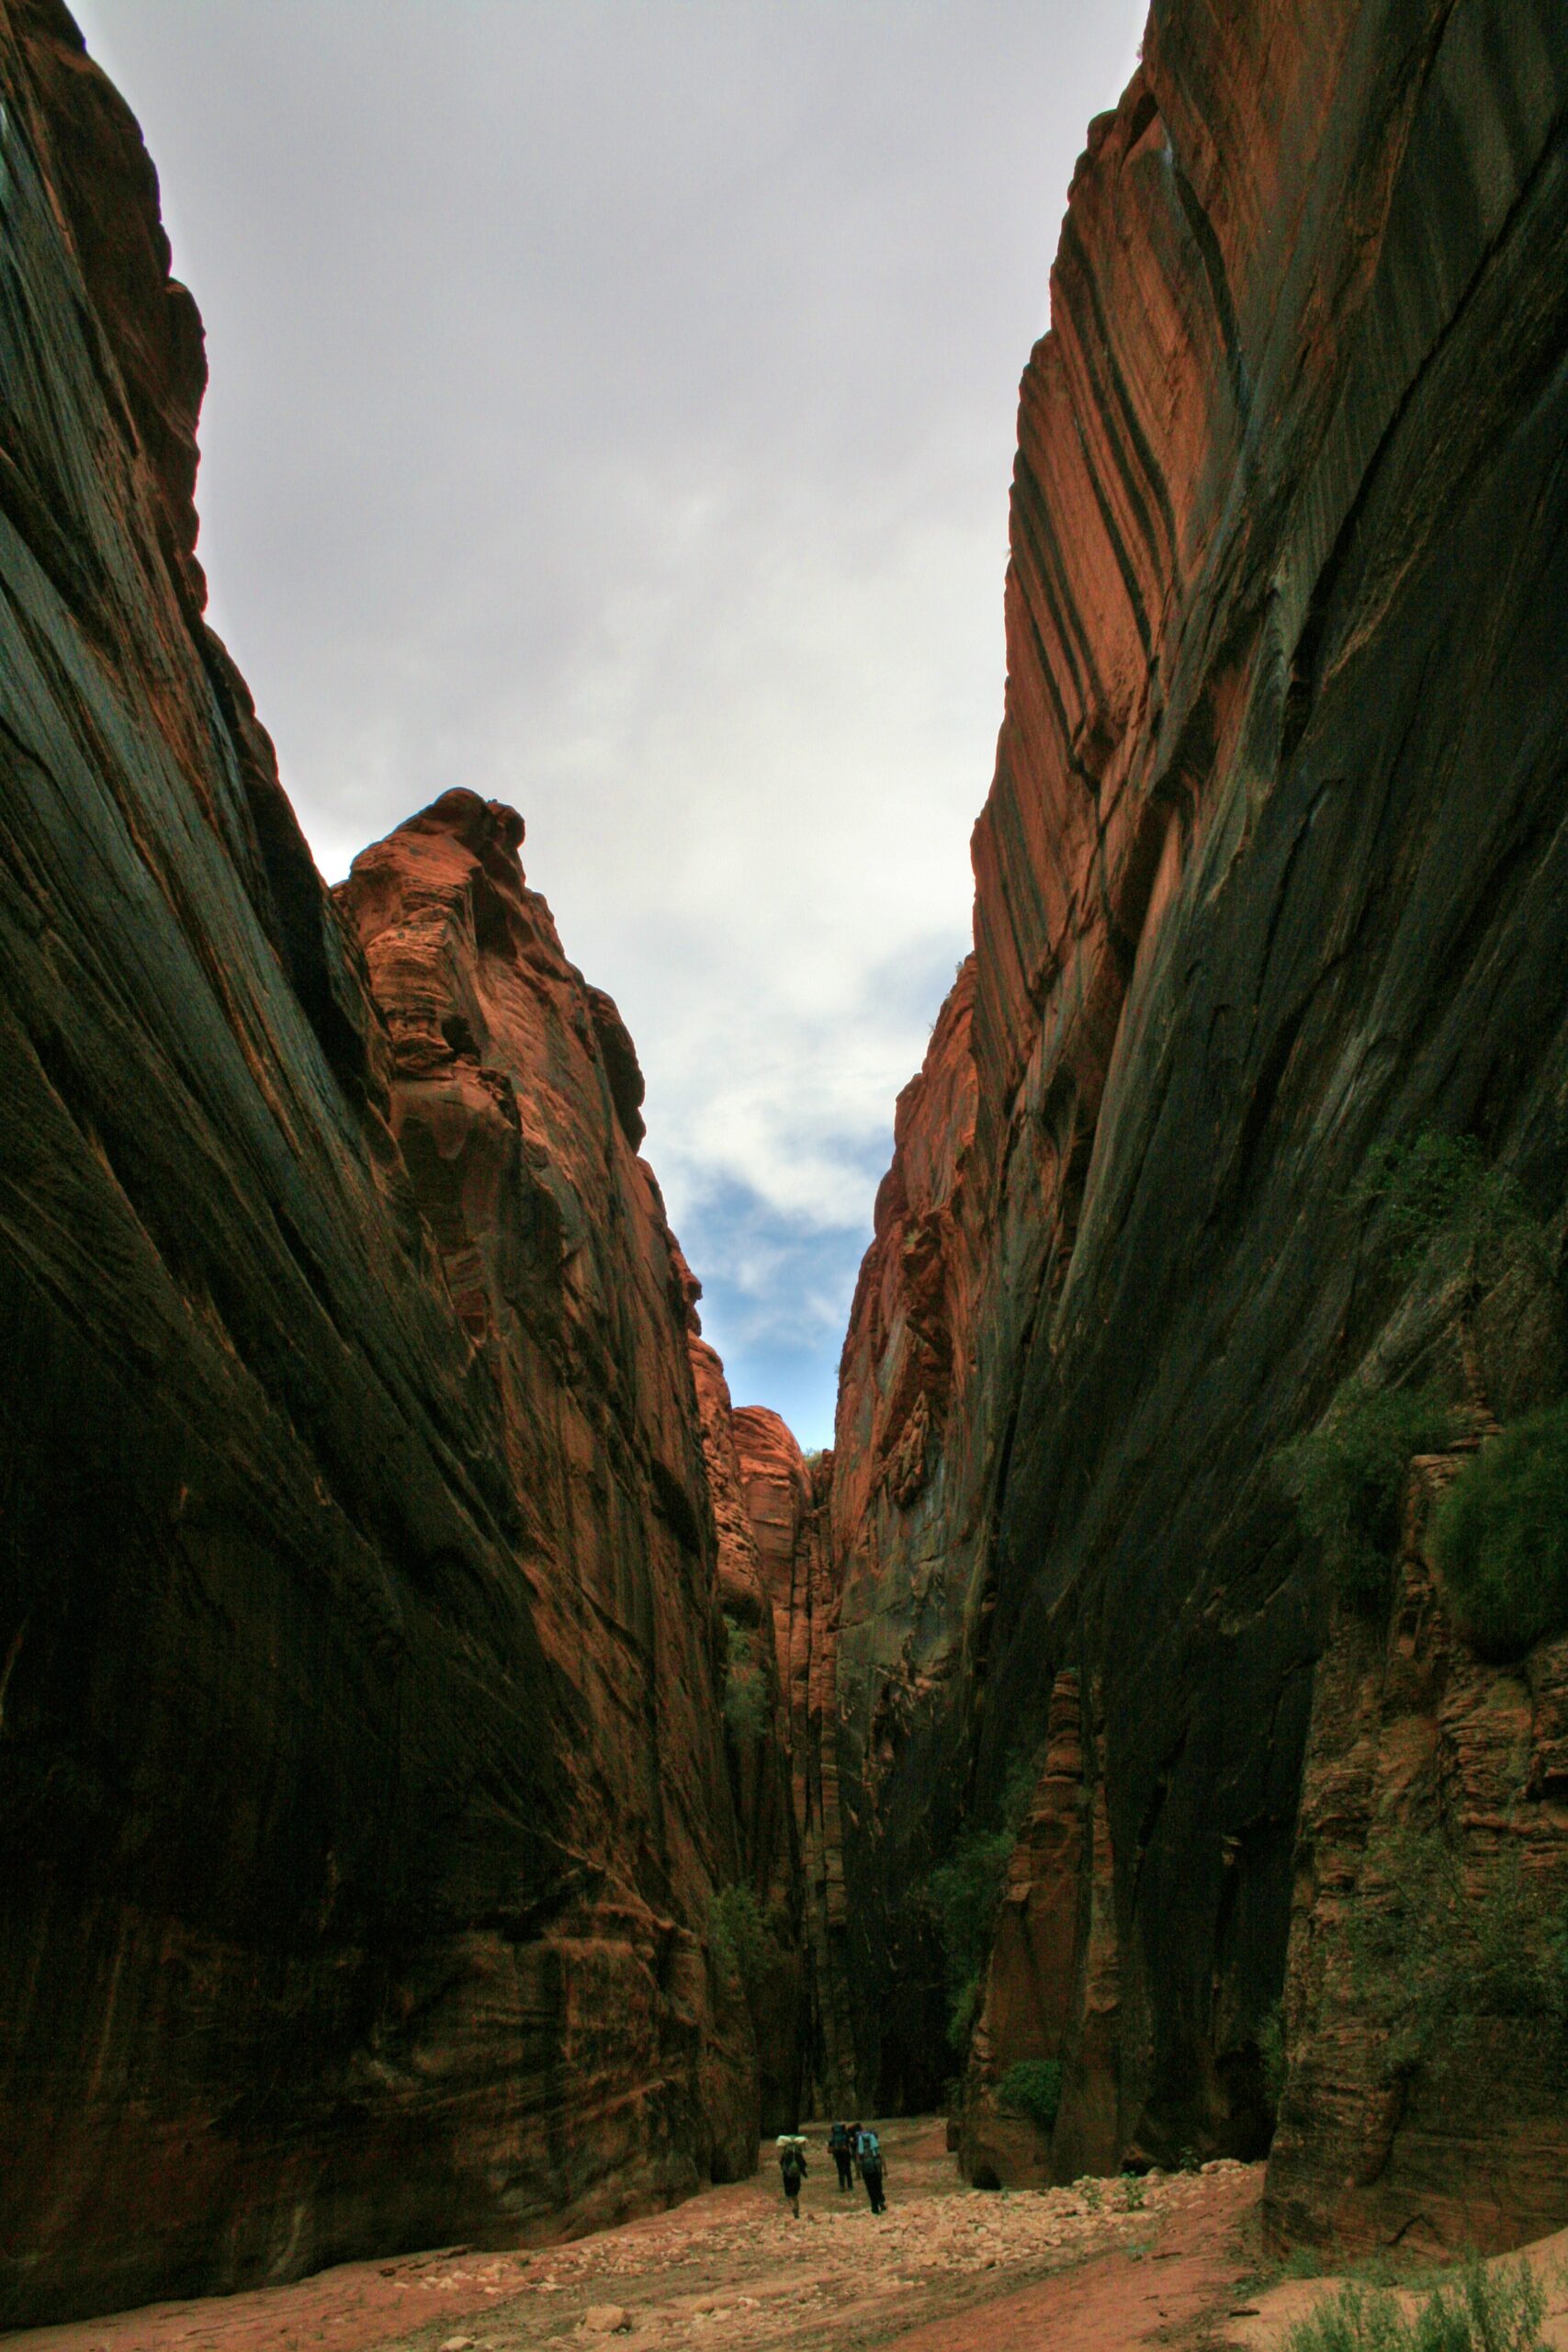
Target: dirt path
{"type": "Point", "coordinates": [945, 2269]}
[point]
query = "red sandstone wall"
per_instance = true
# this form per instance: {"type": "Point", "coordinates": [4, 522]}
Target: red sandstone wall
{"type": "Point", "coordinates": [1432, 1801]}
{"type": "Point", "coordinates": [785, 1499]}
{"type": "Point", "coordinates": [1273, 816]}
{"type": "Point", "coordinates": [363, 1785]}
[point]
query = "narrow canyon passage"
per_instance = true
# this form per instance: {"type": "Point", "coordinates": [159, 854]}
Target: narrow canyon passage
{"type": "Point", "coordinates": [464, 1780]}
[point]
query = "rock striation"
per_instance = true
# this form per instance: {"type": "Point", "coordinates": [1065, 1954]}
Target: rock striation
{"type": "Point", "coordinates": [363, 1790]}
{"type": "Point", "coordinates": [776, 1974]}
{"type": "Point", "coordinates": [458, 1774]}
{"type": "Point", "coordinates": [1271, 878]}
{"type": "Point", "coordinates": [786, 1507]}
{"type": "Point", "coordinates": [1426, 2098]}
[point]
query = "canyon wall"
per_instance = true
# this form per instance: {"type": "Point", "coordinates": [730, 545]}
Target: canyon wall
{"type": "Point", "coordinates": [1425, 2093]}
{"type": "Point", "coordinates": [767, 1936]}
{"type": "Point", "coordinates": [364, 1790]}
{"type": "Point", "coordinates": [1271, 878]}
{"type": "Point", "coordinates": [786, 1499]}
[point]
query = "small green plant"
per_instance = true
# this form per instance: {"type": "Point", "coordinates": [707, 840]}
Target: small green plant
{"type": "Point", "coordinates": [1429, 1953]}
{"type": "Point", "coordinates": [964, 2006]}
{"type": "Point", "coordinates": [1270, 2040]}
{"type": "Point", "coordinates": [743, 1944]}
{"type": "Point", "coordinates": [1485, 2311]}
{"type": "Point", "coordinates": [963, 1894]}
{"type": "Point", "coordinates": [1190, 2161]}
{"type": "Point", "coordinates": [1093, 2195]}
{"type": "Point", "coordinates": [1031, 2088]}
{"type": "Point", "coordinates": [746, 1707]}
{"type": "Point", "coordinates": [1135, 2193]}
{"type": "Point", "coordinates": [1441, 1188]}
{"type": "Point", "coordinates": [1501, 1538]}
{"type": "Point", "coordinates": [1347, 1478]}
{"type": "Point", "coordinates": [1018, 1790]}
{"type": "Point", "coordinates": [1302, 2262]}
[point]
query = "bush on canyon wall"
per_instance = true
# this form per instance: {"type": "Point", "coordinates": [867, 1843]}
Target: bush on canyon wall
{"type": "Point", "coordinates": [1485, 2311]}
{"type": "Point", "coordinates": [1441, 1190]}
{"type": "Point", "coordinates": [746, 1708]}
{"type": "Point", "coordinates": [1272, 2061]}
{"type": "Point", "coordinates": [1031, 2088]}
{"type": "Point", "coordinates": [1501, 1537]}
{"type": "Point", "coordinates": [1347, 1476]}
{"type": "Point", "coordinates": [963, 1896]}
{"type": "Point", "coordinates": [1429, 1952]}
{"type": "Point", "coordinates": [743, 1943]}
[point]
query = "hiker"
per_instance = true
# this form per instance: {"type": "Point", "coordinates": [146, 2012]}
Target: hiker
{"type": "Point", "coordinates": [854, 2151]}
{"type": "Point", "coordinates": [792, 2166]}
{"type": "Point", "coordinates": [838, 2149]}
{"type": "Point", "coordinates": [870, 2153]}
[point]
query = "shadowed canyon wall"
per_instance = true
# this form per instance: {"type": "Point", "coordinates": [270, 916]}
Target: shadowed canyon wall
{"type": "Point", "coordinates": [362, 1780]}
{"type": "Point", "coordinates": [1420, 2110]}
{"type": "Point", "coordinates": [787, 1498]}
{"type": "Point", "coordinates": [1271, 875]}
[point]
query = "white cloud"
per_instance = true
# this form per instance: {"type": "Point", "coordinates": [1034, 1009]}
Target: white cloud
{"type": "Point", "coordinates": [613, 410]}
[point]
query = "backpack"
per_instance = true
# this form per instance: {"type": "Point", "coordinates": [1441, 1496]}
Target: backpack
{"type": "Point", "coordinates": [838, 2137]}
{"type": "Point", "coordinates": [870, 2149]}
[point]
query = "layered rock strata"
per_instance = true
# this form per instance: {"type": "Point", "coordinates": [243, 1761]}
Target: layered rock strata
{"type": "Point", "coordinates": [785, 1499]}
{"type": "Point", "coordinates": [1271, 875]}
{"type": "Point", "coordinates": [363, 1789]}
{"type": "Point", "coordinates": [1425, 2019]}
{"type": "Point", "coordinates": [756, 1730]}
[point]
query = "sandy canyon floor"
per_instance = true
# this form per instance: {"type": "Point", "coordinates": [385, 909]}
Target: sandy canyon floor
{"type": "Point", "coordinates": [945, 2268]}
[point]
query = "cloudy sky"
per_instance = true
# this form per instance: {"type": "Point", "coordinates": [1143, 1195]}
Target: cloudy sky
{"type": "Point", "coordinates": [611, 410]}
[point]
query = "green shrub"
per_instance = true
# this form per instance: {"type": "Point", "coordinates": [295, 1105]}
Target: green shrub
{"type": "Point", "coordinates": [1270, 2040]}
{"type": "Point", "coordinates": [963, 1894]}
{"type": "Point", "coordinates": [1432, 1953]}
{"type": "Point", "coordinates": [1439, 1188]}
{"type": "Point", "coordinates": [962, 2009]}
{"type": "Point", "coordinates": [746, 1707]}
{"type": "Point", "coordinates": [1031, 2088]}
{"type": "Point", "coordinates": [1485, 2311]}
{"type": "Point", "coordinates": [1501, 1537]}
{"type": "Point", "coordinates": [1346, 1478]}
{"type": "Point", "coordinates": [743, 1944]}
{"type": "Point", "coordinates": [1135, 2193]}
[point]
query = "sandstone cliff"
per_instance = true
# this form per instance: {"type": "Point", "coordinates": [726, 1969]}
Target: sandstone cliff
{"type": "Point", "coordinates": [1269, 877]}
{"type": "Point", "coordinates": [1425, 2085]}
{"type": "Point", "coordinates": [769, 1957]}
{"type": "Point", "coordinates": [363, 1790]}
{"type": "Point", "coordinates": [785, 1497]}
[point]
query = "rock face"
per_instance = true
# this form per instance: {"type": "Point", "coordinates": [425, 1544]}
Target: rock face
{"type": "Point", "coordinates": [1271, 875]}
{"type": "Point", "coordinates": [363, 1788]}
{"type": "Point", "coordinates": [787, 1498]}
{"type": "Point", "coordinates": [1427, 2098]}
{"type": "Point", "coordinates": [897, 1538]}
{"type": "Point", "coordinates": [775, 1976]}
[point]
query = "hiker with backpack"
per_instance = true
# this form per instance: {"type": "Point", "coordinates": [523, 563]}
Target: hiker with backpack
{"type": "Point", "coordinates": [869, 2151]}
{"type": "Point", "coordinates": [792, 2169]}
{"type": "Point", "coordinates": [838, 2149]}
